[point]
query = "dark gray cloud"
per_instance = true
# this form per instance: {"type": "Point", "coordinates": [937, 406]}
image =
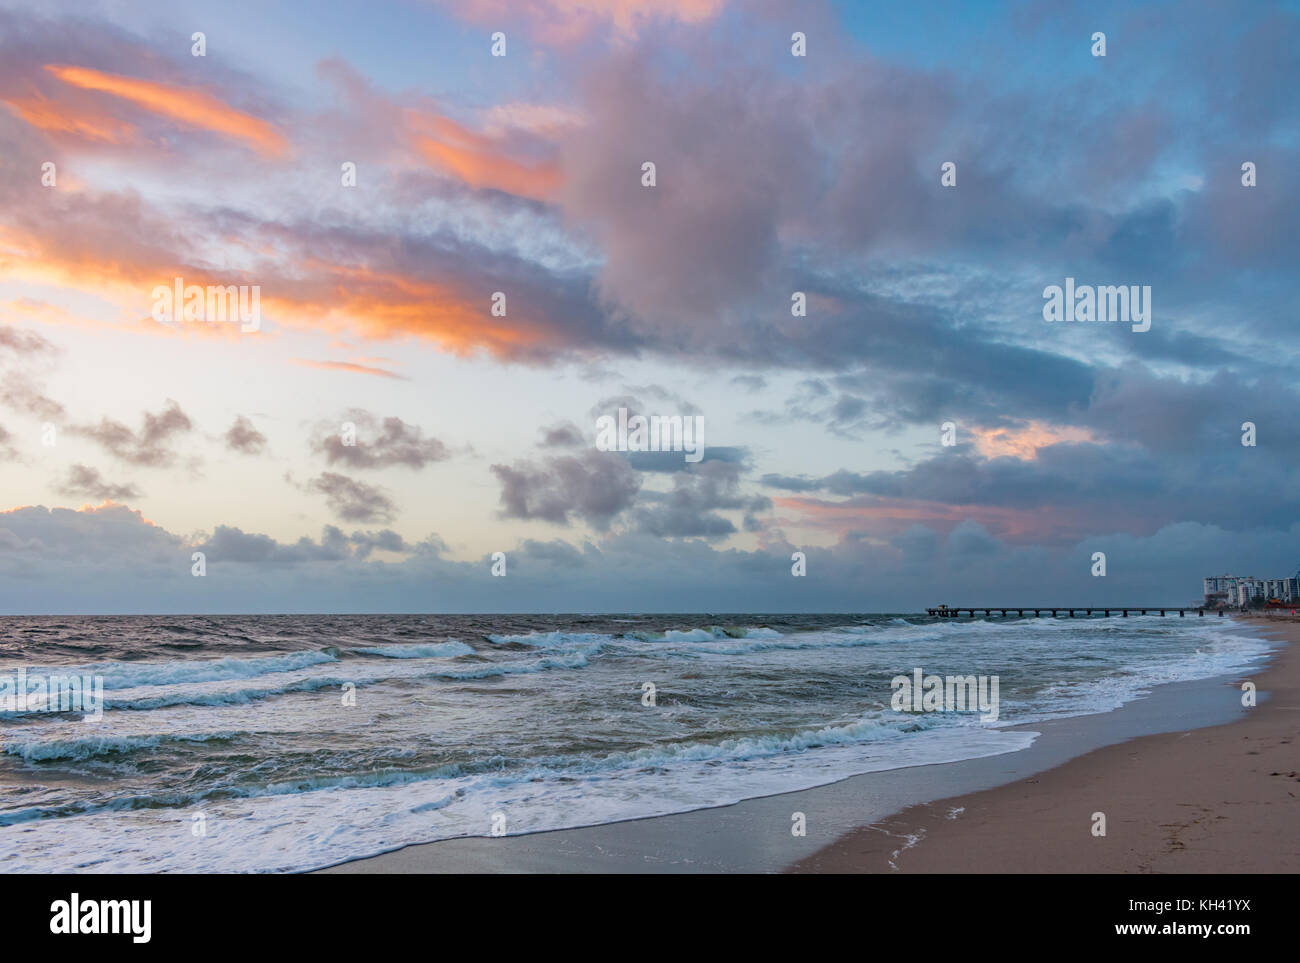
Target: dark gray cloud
{"type": "Point", "coordinates": [150, 446]}
{"type": "Point", "coordinates": [386, 540]}
{"type": "Point", "coordinates": [379, 443]}
{"type": "Point", "coordinates": [1071, 489]}
{"type": "Point", "coordinates": [602, 488]}
{"type": "Point", "coordinates": [750, 382]}
{"type": "Point", "coordinates": [563, 435]}
{"type": "Point", "coordinates": [21, 395]}
{"type": "Point", "coordinates": [244, 437]}
{"type": "Point", "coordinates": [552, 553]}
{"type": "Point", "coordinates": [231, 544]}
{"type": "Point", "coordinates": [692, 507]}
{"type": "Point", "coordinates": [593, 485]}
{"type": "Point", "coordinates": [22, 342]}
{"type": "Point", "coordinates": [674, 461]}
{"type": "Point", "coordinates": [353, 500]}
{"type": "Point", "coordinates": [85, 481]}
{"type": "Point", "coordinates": [110, 535]}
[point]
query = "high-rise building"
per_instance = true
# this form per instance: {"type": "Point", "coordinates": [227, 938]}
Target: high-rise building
{"type": "Point", "coordinates": [1249, 589]}
{"type": "Point", "coordinates": [1220, 590]}
{"type": "Point", "coordinates": [1242, 591]}
{"type": "Point", "coordinates": [1283, 589]}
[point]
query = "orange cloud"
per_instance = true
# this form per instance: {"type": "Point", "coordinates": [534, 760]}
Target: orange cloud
{"type": "Point", "coordinates": [192, 108]}
{"type": "Point", "coordinates": [347, 366]}
{"type": "Point", "coordinates": [380, 305]}
{"type": "Point", "coordinates": [1023, 443]}
{"type": "Point", "coordinates": [482, 170]}
{"type": "Point", "coordinates": [43, 312]}
{"type": "Point", "coordinates": [320, 295]}
{"type": "Point", "coordinates": [55, 118]}
{"type": "Point", "coordinates": [478, 160]}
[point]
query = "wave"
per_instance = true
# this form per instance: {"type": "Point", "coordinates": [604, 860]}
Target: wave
{"type": "Point", "coordinates": [498, 771]}
{"type": "Point", "coordinates": [574, 660]}
{"type": "Point", "coordinates": [419, 650]}
{"type": "Point", "coordinates": [90, 748]}
{"type": "Point", "coordinates": [224, 697]}
{"type": "Point", "coordinates": [872, 728]}
{"type": "Point", "coordinates": [552, 640]}
{"type": "Point", "coordinates": [182, 696]}
{"type": "Point", "coordinates": [135, 675]}
{"type": "Point", "coordinates": [706, 634]}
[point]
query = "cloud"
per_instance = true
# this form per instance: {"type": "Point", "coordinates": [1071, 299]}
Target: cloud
{"type": "Point", "coordinates": [674, 461]}
{"type": "Point", "coordinates": [691, 508]}
{"type": "Point", "coordinates": [84, 481]}
{"type": "Point", "coordinates": [1069, 490]}
{"type": "Point", "coordinates": [601, 488]}
{"type": "Point", "coordinates": [1023, 440]}
{"type": "Point", "coordinates": [563, 435]}
{"type": "Point", "coordinates": [230, 544]}
{"type": "Point", "coordinates": [185, 106]}
{"type": "Point", "coordinates": [552, 553]}
{"type": "Point", "coordinates": [18, 388]}
{"type": "Point", "coordinates": [378, 443]}
{"type": "Point", "coordinates": [778, 193]}
{"type": "Point", "coordinates": [111, 535]}
{"type": "Point", "coordinates": [385, 541]}
{"type": "Point", "coordinates": [478, 160]}
{"type": "Point", "coordinates": [151, 446]}
{"type": "Point", "coordinates": [244, 437]}
{"type": "Point", "coordinates": [564, 23]}
{"type": "Point", "coordinates": [120, 562]}
{"type": "Point", "coordinates": [593, 485]}
{"type": "Point", "coordinates": [7, 450]}
{"type": "Point", "coordinates": [348, 366]}
{"type": "Point", "coordinates": [353, 500]}
{"type": "Point", "coordinates": [21, 395]}
{"type": "Point", "coordinates": [22, 342]}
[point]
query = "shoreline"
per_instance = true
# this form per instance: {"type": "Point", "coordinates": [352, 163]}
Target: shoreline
{"type": "Point", "coordinates": [754, 835]}
{"type": "Point", "coordinates": [1217, 799]}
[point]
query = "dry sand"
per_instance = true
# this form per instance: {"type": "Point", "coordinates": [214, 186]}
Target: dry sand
{"type": "Point", "coordinates": [1224, 799]}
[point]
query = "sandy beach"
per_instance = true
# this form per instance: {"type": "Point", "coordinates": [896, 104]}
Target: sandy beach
{"type": "Point", "coordinates": [1223, 799]}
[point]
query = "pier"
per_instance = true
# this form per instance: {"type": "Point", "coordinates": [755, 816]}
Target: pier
{"type": "Point", "coordinates": [1019, 611]}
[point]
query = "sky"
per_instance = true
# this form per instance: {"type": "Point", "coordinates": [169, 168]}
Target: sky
{"type": "Point", "coordinates": [460, 267]}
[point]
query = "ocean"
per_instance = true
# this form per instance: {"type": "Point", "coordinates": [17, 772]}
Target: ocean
{"type": "Point", "coordinates": [275, 743]}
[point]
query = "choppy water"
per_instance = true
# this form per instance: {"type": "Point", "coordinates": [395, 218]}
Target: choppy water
{"type": "Point", "coordinates": [540, 719]}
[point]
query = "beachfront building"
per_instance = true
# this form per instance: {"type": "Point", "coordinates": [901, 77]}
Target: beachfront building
{"type": "Point", "coordinates": [1219, 590]}
{"type": "Point", "coordinates": [1284, 589]}
{"type": "Point", "coordinates": [1248, 590]}
{"type": "Point", "coordinates": [1237, 591]}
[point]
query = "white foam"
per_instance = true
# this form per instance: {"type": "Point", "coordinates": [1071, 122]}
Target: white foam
{"type": "Point", "coordinates": [419, 650]}
{"type": "Point", "coordinates": [131, 675]}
